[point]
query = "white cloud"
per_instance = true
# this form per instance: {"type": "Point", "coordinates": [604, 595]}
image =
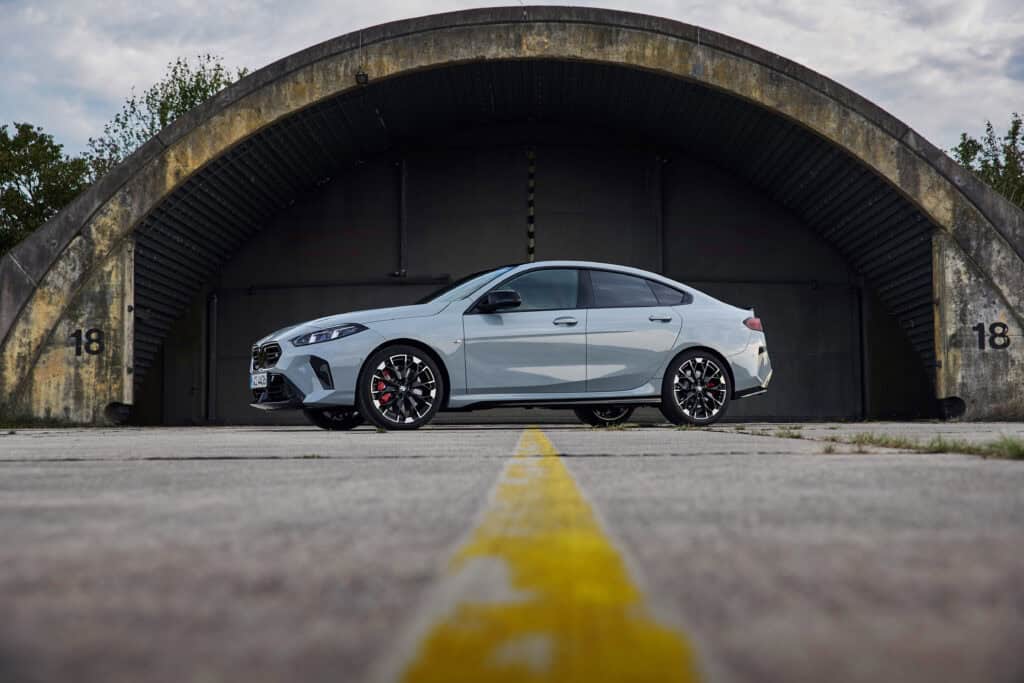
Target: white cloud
{"type": "Point", "coordinates": [942, 66]}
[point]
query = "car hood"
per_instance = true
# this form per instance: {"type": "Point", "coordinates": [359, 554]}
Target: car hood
{"type": "Point", "coordinates": [364, 317]}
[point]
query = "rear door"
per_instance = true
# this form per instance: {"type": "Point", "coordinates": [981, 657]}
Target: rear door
{"type": "Point", "coordinates": [537, 348]}
{"type": "Point", "coordinates": [629, 331]}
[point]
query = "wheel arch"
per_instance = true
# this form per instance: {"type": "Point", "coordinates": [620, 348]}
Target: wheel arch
{"type": "Point", "coordinates": [717, 354]}
{"type": "Point", "coordinates": [423, 346]}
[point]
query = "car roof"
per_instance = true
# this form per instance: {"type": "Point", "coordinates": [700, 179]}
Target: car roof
{"type": "Point", "coordinates": [629, 270]}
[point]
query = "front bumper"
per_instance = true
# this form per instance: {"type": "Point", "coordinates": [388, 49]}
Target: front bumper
{"type": "Point", "coordinates": [292, 379]}
{"type": "Point", "coordinates": [280, 394]}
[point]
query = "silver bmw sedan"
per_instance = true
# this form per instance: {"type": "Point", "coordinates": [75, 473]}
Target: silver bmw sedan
{"type": "Point", "coordinates": [598, 338]}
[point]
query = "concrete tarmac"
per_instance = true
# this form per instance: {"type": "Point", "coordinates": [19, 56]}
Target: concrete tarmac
{"type": "Point", "coordinates": [280, 554]}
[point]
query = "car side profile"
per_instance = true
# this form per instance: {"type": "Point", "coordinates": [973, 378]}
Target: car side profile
{"type": "Point", "coordinates": [600, 339]}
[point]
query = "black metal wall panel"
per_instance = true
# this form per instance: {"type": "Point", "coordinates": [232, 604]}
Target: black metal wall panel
{"type": "Point", "coordinates": [738, 244]}
{"type": "Point", "coordinates": [598, 202]}
{"type": "Point", "coordinates": [465, 208]}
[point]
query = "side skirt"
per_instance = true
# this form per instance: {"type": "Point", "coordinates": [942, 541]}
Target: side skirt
{"type": "Point", "coordinates": [558, 403]}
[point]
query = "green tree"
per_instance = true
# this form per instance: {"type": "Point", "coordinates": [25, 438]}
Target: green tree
{"type": "Point", "coordinates": [186, 84]}
{"type": "Point", "coordinates": [999, 161]}
{"type": "Point", "coordinates": [36, 180]}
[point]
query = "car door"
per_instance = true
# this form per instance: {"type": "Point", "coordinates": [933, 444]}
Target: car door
{"type": "Point", "coordinates": [629, 332]}
{"type": "Point", "coordinates": [538, 347]}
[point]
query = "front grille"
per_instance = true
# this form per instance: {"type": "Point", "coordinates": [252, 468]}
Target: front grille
{"type": "Point", "coordinates": [271, 354]}
{"type": "Point", "coordinates": [265, 356]}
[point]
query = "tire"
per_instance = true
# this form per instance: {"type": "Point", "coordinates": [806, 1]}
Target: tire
{"type": "Point", "coordinates": [603, 416]}
{"type": "Point", "coordinates": [387, 398]}
{"type": "Point", "coordinates": [334, 419]}
{"type": "Point", "coordinates": [696, 389]}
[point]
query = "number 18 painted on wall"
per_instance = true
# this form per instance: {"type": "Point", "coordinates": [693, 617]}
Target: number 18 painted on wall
{"type": "Point", "coordinates": [91, 342]}
{"type": "Point", "coordinates": [998, 336]}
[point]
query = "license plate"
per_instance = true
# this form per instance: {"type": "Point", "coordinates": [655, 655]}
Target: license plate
{"type": "Point", "coordinates": [258, 380]}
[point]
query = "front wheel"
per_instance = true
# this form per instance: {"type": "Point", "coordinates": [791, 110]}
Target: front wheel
{"type": "Point", "coordinates": [603, 416]}
{"type": "Point", "coordinates": [695, 390]}
{"type": "Point", "coordinates": [334, 419]}
{"type": "Point", "coordinates": [400, 387]}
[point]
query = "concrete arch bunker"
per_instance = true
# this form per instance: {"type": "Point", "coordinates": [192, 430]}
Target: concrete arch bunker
{"type": "Point", "coordinates": [89, 297]}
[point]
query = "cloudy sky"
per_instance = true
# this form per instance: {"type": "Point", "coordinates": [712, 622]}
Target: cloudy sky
{"type": "Point", "coordinates": [942, 66]}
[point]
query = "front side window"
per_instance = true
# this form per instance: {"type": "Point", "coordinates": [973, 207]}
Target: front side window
{"type": "Point", "coordinates": [618, 290]}
{"type": "Point", "coordinates": [546, 290]}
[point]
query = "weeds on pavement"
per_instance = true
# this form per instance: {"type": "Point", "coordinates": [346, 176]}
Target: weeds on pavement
{"type": "Point", "coordinates": [1005, 447]}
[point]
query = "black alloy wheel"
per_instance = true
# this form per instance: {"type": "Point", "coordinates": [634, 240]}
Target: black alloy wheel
{"type": "Point", "coordinates": [696, 389]}
{"type": "Point", "coordinates": [400, 387]}
{"type": "Point", "coordinates": [603, 416]}
{"type": "Point", "coordinates": [334, 419]}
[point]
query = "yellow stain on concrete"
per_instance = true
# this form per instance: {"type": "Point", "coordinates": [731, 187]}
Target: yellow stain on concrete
{"type": "Point", "coordinates": [569, 612]}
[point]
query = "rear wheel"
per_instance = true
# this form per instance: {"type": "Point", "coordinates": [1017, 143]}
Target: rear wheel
{"type": "Point", "coordinates": [603, 416]}
{"type": "Point", "coordinates": [696, 389]}
{"type": "Point", "coordinates": [334, 419]}
{"type": "Point", "coordinates": [400, 387]}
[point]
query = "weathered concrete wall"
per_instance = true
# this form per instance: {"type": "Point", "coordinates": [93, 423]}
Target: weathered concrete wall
{"type": "Point", "coordinates": [981, 346]}
{"type": "Point", "coordinates": [83, 367]}
{"type": "Point", "coordinates": [988, 233]}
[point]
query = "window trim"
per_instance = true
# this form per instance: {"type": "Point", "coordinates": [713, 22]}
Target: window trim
{"type": "Point", "coordinates": [591, 302]}
{"type": "Point", "coordinates": [687, 297]}
{"type": "Point", "coordinates": [580, 280]}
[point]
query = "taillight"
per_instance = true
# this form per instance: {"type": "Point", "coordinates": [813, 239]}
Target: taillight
{"type": "Point", "coordinates": [754, 324]}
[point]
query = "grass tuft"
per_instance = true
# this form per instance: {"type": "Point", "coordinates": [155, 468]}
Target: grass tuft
{"type": "Point", "coordinates": [1005, 447]}
{"type": "Point", "coordinates": [619, 427]}
{"type": "Point", "coordinates": [882, 441]}
{"type": "Point", "coordinates": [829, 448]}
{"type": "Point", "coordinates": [787, 433]}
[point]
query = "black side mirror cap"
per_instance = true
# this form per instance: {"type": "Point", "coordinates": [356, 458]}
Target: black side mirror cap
{"type": "Point", "coordinates": [499, 299]}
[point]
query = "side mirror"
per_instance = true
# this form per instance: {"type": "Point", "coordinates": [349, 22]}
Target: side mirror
{"type": "Point", "coordinates": [498, 300]}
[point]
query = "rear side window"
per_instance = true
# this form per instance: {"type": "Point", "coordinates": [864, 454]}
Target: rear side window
{"type": "Point", "coordinates": [667, 296]}
{"type": "Point", "coordinates": [546, 290]}
{"type": "Point", "coordinates": [617, 290]}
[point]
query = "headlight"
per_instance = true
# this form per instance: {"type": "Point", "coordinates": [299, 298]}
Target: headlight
{"type": "Point", "coordinates": [330, 334]}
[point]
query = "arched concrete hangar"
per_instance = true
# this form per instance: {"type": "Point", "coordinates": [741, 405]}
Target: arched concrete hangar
{"type": "Point", "coordinates": [367, 170]}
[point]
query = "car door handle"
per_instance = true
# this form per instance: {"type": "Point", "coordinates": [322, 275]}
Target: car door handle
{"type": "Point", "coordinates": [566, 321]}
{"type": "Point", "coordinates": [659, 318]}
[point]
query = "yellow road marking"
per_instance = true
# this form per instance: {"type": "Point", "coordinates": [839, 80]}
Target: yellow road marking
{"type": "Point", "coordinates": [551, 599]}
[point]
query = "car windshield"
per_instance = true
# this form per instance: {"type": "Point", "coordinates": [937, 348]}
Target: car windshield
{"type": "Point", "coordinates": [464, 286]}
